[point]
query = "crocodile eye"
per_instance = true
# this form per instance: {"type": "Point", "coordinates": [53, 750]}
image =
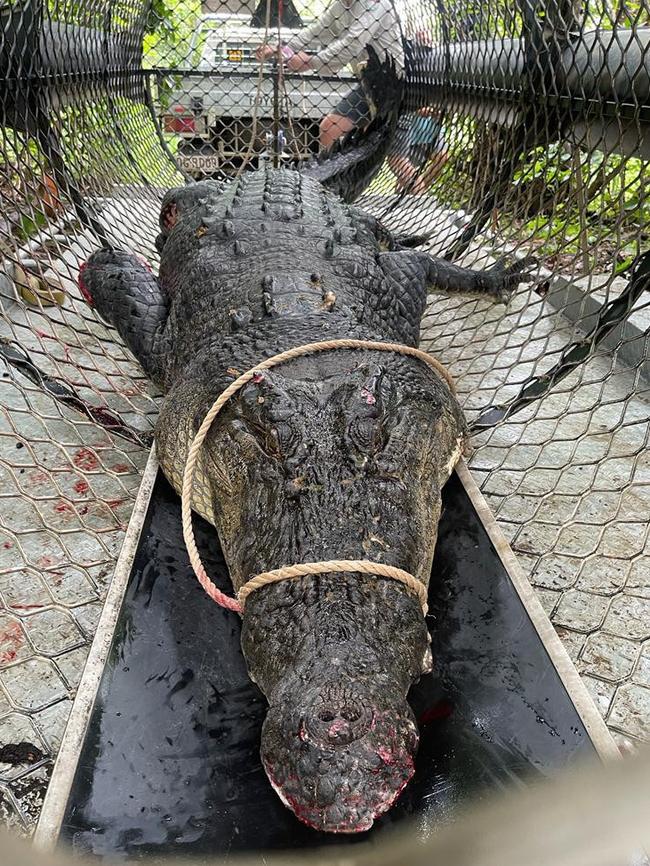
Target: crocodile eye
{"type": "Point", "coordinates": [281, 439]}
{"type": "Point", "coordinates": [366, 434]}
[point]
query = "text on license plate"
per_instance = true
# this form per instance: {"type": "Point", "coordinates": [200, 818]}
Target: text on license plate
{"type": "Point", "coordinates": [199, 162]}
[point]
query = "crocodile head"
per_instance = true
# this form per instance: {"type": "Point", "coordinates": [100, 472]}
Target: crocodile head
{"type": "Point", "coordinates": [338, 456]}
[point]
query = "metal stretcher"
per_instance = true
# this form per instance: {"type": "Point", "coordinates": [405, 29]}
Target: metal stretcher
{"type": "Point", "coordinates": [161, 755]}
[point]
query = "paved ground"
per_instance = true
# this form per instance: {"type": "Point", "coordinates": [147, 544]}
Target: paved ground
{"type": "Point", "coordinates": [66, 492]}
{"type": "Point", "coordinates": [568, 480]}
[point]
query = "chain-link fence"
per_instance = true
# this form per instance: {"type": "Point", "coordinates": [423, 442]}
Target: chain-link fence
{"type": "Point", "coordinates": [523, 130]}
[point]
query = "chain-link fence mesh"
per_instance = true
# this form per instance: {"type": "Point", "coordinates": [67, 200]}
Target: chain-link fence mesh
{"type": "Point", "coordinates": [523, 130]}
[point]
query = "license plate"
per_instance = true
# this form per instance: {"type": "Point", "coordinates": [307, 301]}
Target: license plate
{"type": "Point", "coordinates": [199, 161]}
{"type": "Point", "coordinates": [235, 55]}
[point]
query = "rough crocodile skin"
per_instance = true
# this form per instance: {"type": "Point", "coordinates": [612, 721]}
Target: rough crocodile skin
{"type": "Point", "coordinates": [337, 455]}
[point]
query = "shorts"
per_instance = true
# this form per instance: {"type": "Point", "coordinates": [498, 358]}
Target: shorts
{"type": "Point", "coordinates": [418, 142]}
{"type": "Point", "coordinates": [355, 107]}
{"type": "Point", "coordinates": [404, 125]}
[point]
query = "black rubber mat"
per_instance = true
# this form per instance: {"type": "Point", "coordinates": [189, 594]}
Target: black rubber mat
{"type": "Point", "coordinates": [170, 762]}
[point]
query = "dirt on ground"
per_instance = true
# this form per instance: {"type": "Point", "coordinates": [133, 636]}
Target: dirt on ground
{"type": "Point", "coordinates": [26, 773]}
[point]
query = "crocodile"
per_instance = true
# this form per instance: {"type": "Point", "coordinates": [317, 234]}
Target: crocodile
{"type": "Point", "coordinates": [335, 455]}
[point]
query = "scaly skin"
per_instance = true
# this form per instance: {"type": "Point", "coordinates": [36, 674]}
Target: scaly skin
{"type": "Point", "coordinates": [339, 455]}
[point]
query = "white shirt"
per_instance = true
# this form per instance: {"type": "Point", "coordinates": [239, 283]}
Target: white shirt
{"type": "Point", "coordinates": [345, 29]}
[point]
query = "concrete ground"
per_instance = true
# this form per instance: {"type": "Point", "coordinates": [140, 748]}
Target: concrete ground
{"type": "Point", "coordinates": [67, 488]}
{"type": "Point", "coordinates": [568, 480]}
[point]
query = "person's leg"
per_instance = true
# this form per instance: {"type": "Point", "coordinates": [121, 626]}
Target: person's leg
{"type": "Point", "coordinates": [332, 127]}
{"type": "Point", "coordinates": [398, 157]}
{"type": "Point", "coordinates": [431, 172]}
{"type": "Point", "coordinates": [352, 112]}
{"type": "Point", "coordinates": [412, 166]}
{"type": "Point", "coordinates": [402, 169]}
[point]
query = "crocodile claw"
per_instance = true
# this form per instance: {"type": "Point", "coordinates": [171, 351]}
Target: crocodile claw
{"type": "Point", "coordinates": [502, 279]}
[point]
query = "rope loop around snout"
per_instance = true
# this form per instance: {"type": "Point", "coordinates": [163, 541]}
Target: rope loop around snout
{"type": "Point", "coordinates": [290, 572]}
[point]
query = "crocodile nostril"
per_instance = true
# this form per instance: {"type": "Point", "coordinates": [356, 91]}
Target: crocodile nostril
{"type": "Point", "coordinates": [350, 715]}
{"type": "Point", "coordinates": [338, 723]}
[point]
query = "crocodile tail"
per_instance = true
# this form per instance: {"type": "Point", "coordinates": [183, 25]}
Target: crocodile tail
{"type": "Point", "coordinates": [352, 163]}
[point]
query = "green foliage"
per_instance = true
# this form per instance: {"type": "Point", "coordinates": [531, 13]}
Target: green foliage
{"type": "Point", "coordinates": [625, 13]}
{"type": "Point", "coordinates": [594, 205]}
{"type": "Point", "coordinates": [161, 17]}
{"type": "Point", "coordinates": [568, 203]}
{"type": "Point", "coordinates": [119, 15]}
{"type": "Point", "coordinates": [30, 225]}
{"type": "Point", "coordinates": [128, 155]}
{"type": "Point", "coordinates": [170, 39]}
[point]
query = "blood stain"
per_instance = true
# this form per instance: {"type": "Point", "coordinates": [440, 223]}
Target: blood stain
{"type": "Point", "coordinates": [85, 459]}
{"type": "Point", "coordinates": [11, 640]}
{"type": "Point", "coordinates": [386, 755]}
{"type": "Point", "coordinates": [44, 561]}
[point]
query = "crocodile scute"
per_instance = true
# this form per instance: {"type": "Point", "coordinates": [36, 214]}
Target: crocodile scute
{"type": "Point", "coordinates": [336, 455]}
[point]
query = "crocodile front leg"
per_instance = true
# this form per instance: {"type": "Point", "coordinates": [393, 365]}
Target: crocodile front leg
{"type": "Point", "coordinates": [126, 293]}
{"type": "Point", "coordinates": [497, 282]}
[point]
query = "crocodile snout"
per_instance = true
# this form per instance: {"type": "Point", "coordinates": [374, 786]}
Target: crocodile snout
{"type": "Point", "coordinates": [344, 760]}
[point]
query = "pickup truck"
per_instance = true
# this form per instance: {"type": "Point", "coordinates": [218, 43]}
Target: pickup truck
{"type": "Point", "coordinates": [225, 113]}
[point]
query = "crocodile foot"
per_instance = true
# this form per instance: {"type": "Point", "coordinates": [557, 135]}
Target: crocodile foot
{"type": "Point", "coordinates": [501, 280]}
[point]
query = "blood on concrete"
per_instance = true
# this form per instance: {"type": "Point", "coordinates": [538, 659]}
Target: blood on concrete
{"type": "Point", "coordinates": [11, 640]}
{"type": "Point", "coordinates": [85, 459]}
